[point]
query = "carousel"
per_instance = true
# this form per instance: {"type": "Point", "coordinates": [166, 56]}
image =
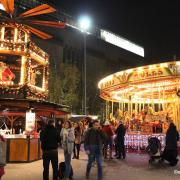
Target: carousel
{"type": "Point", "coordinates": [145, 98]}
{"type": "Point", "coordinates": [24, 73]}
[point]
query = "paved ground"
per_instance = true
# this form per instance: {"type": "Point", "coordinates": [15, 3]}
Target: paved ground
{"type": "Point", "coordinates": [134, 167]}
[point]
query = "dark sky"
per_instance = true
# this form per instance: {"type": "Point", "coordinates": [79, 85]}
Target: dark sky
{"type": "Point", "coordinates": [156, 26]}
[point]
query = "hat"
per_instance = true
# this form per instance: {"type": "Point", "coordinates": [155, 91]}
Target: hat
{"type": "Point", "coordinates": [106, 123]}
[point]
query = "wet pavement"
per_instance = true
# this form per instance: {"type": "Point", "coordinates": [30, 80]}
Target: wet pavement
{"type": "Point", "coordinates": [135, 166]}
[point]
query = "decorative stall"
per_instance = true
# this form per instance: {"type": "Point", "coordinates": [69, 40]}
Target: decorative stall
{"type": "Point", "coordinates": [145, 98]}
{"type": "Point", "coordinates": [24, 73]}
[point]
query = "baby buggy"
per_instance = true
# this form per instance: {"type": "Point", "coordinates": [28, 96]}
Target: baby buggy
{"type": "Point", "coordinates": [154, 149]}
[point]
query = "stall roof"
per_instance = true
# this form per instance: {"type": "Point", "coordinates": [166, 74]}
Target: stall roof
{"type": "Point", "coordinates": [43, 108]}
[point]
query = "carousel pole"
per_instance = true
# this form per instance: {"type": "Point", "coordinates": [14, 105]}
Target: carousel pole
{"type": "Point", "coordinates": [136, 107]}
{"type": "Point", "coordinates": [128, 106]}
{"type": "Point", "coordinates": [143, 105]}
{"type": "Point", "coordinates": [2, 33]}
{"type": "Point", "coordinates": [106, 110]}
{"type": "Point", "coordinates": [139, 107]}
{"type": "Point", "coordinates": [15, 34]}
{"type": "Point", "coordinates": [159, 96]}
{"type": "Point", "coordinates": [163, 107]}
{"type": "Point", "coordinates": [108, 114]}
{"type": "Point", "coordinates": [124, 106]}
{"type": "Point", "coordinates": [112, 107]}
{"type": "Point", "coordinates": [152, 100]}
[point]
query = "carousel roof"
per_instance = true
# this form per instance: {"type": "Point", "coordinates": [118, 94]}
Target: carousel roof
{"type": "Point", "coordinates": [157, 82]}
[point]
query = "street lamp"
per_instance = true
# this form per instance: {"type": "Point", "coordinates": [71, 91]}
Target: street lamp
{"type": "Point", "coordinates": [84, 24]}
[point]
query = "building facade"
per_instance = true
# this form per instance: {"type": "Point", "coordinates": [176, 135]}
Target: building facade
{"type": "Point", "coordinates": [67, 46]}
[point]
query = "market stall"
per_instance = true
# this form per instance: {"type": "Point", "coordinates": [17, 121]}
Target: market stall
{"type": "Point", "coordinates": [24, 73]}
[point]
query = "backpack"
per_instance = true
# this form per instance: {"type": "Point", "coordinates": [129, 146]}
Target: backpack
{"type": "Point", "coordinates": [62, 170]}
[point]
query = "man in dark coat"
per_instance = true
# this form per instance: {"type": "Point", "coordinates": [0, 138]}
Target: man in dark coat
{"type": "Point", "coordinates": [120, 133]}
{"type": "Point", "coordinates": [49, 143]}
{"type": "Point", "coordinates": [171, 150]}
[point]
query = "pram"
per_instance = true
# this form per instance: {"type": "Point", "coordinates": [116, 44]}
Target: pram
{"type": "Point", "coordinates": [154, 149]}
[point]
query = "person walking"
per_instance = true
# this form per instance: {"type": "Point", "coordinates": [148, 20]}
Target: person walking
{"type": "Point", "coordinates": [3, 146]}
{"type": "Point", "coordinates": [120, 133]}
{"type": "Point", "coordinates": [67, 137]}
{"type": "Point", "coordinates": [171, 149]}
{"type": "Point", "coordinates": [93, 142]}
{"type": "Point", "coordinates": [77, 142]}
{"type": "Point", "coordinates": [109, 133]}
{"type": "Point", "coordinates": [49, 143]}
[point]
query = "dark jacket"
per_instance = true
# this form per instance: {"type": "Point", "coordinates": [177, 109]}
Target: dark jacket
{"type": "Point", "coordinates": [49, 138]}
{"type": "Point", "coordinates": [120, 133]}
{"type": "Point", "coordinates": [172, 137]}
{"type": "Point", "coordinates": [94, 137]}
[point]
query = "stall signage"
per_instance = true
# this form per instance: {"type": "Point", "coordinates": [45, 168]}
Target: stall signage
{"type": "Point", "coordinates": [30, 121]}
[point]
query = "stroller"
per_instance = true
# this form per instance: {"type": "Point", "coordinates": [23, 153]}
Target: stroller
{"type": "Point", "coordinates": [154, 149]}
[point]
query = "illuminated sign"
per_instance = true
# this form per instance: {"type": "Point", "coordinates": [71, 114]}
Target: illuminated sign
{"type": "Point", "coordinates": [149, 74]}
{"type": "Point", "coordinates": [30, 121]}
{"type": "Point", "coordinates": [122, 43]}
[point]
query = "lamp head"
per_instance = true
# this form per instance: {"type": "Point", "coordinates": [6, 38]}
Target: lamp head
{"type": "Point", "coordinates": [84, 23]}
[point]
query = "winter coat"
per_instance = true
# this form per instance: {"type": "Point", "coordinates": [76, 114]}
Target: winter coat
{"type": "Point", "coordinates": [3, 147]}
{"type": "Point", "coordinates": [120, 133]}
{"type": "Point", "coordinates": [108, 131]}
{"type": "Point", "coordinates": [172, 137]}
{"type": "Point", "coordinates": [94, 137]}
{"type": "Point", "coordinates": [67, 139]}
{"type": "Point", "coordinates": [49, 138]}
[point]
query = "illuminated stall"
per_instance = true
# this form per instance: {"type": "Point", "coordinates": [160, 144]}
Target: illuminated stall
{"type": "Point", "coordinates": [145, 98]}
{"type": "Point", "coordinates": [24, 73]}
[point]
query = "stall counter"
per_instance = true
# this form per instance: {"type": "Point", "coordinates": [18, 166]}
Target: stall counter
{"type": "Point", "coordinates": [23, 149]}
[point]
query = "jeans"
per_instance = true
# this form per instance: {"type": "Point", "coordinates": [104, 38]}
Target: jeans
{"type": "Point", "coordinates": [52, 156]}
{"type": "Point", "coordinates": [67, 158]}
{"type": "Point", "coordinates": [94, 154]}
{"type": "Point", "coordinates": [121, 149]}
{"type": "Point", "coordinates": [76, 150]}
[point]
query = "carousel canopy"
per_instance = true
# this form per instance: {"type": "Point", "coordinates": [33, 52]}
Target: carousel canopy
{"type": "Point", "coordinates": [157, 82]}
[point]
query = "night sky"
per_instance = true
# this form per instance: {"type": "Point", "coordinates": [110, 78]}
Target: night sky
{"type": "Point", "coordinates": [156, 26]}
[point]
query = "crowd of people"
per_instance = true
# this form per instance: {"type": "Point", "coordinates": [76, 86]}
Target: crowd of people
{"type": "Point", "coordinates": [97, 139]}
{"type": "Point", "coordinates": [100, 140]}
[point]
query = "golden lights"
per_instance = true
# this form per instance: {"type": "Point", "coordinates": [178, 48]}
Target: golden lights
{"type": "Point", "coordinates": [150, 83]}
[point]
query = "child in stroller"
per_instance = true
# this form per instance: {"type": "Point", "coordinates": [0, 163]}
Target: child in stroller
{"type": "Point", "coordinates": [154, 149]}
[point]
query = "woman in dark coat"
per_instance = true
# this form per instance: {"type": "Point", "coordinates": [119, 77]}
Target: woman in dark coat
{"type": "Point", "coordinates": [171, 149]}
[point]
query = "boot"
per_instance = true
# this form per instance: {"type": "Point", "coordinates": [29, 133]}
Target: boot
{"type": "Point", "coordinates": [74, 156]}
{"type": "Point", "coordinates": [87, 175]}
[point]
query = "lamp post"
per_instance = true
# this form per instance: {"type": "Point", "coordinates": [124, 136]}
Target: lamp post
{"type": "Point", "coordinates": [84, 23]}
